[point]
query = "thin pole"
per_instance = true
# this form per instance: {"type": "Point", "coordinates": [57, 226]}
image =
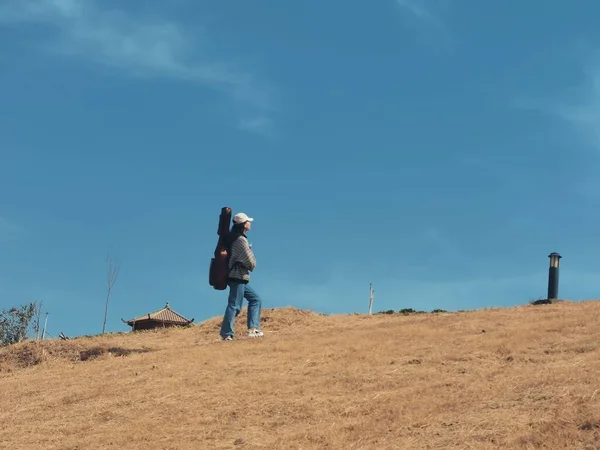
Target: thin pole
{"type": "Point", "coordinates": [37, 324]}
{"type": "Point", "coordinates": [371, 292]}
{"type": "Point", "coordinates": [45, 323]}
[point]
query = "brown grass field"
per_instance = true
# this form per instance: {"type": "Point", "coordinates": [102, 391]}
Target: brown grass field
{"type": "Point", "coordinates": [523, 377]}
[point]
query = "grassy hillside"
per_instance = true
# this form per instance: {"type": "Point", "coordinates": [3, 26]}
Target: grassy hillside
{"type": "Point", "coordinates": [525, 377]}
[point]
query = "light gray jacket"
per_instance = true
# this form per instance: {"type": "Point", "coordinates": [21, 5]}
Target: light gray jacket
{"type": "Point", "coordinates": [241, 260]}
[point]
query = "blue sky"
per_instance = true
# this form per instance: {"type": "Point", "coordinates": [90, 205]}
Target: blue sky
{"type": "Point", "coordinates": [437, 149]}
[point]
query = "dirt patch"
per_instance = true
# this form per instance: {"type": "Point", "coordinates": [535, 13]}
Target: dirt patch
{"type": "Point", "coordinates": [32, 353]}
{"type": "Point", "coordinates": [19, 356]}
{"type": "Point", "coordinates": [590, 425]}
{"type": "Point", "coordinates": [95, 352]}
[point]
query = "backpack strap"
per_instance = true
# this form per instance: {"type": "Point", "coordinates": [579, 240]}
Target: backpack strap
{"type": "Point", "coordinates": [229, 247]}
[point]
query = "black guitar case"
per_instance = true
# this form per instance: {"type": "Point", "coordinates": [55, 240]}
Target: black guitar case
{"type": "Point", "coordinates": [217, 274]}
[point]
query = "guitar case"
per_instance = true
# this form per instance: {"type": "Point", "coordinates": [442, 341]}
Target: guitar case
{"type": "Point", "coordinates": [219, 270]}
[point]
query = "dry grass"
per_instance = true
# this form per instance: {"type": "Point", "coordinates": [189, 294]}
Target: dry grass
{"type": "Point", "coordinates": [526, 377]}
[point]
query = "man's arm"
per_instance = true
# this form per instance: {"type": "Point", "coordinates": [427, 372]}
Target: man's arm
{"type": "Point", "coordinates": [244, 253]}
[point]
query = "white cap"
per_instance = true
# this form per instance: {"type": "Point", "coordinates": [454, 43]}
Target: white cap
{"type": "Point", "coordinates": [241, 218]}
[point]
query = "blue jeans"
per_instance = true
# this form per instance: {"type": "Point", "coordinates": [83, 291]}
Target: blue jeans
{"type": "Point", "coordinates": [237, 292]}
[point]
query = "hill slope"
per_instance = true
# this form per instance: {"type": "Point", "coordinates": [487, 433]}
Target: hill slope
{"type": "Point", "coordinates": [525, 377]}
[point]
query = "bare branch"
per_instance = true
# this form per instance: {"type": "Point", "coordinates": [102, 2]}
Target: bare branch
{"type": "Point", "coordinates": [112, 271]}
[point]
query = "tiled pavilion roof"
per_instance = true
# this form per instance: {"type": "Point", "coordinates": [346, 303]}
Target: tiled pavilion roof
{"type": "Point", "coordinates": [166, 315]}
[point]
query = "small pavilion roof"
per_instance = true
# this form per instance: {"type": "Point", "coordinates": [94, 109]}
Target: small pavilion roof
{"type": "Point", "coordinates": [165, 314]}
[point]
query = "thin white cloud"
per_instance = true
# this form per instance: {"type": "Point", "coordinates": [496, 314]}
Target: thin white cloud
{"type": "Point", "coordinates": [141, 47]}
{"type": "Point", "coordinates": [416, 7]}
{"type": "Point", "coordinates": [258, 125]}
{"type": "Point", "coordinates": [578, 106]}
{"type": "Point", "coordinates": [577, 109]}
{"type": "Point", "coordinates": [584, 113]}
{"type": "Point", "coordinates": [428, 24]}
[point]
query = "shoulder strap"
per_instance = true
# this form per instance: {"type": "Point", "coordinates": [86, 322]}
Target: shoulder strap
{"type": "Point", "coordinates": [230, 242]}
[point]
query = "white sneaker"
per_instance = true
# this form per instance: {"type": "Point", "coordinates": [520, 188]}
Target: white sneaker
{"type": "Point", "coordinates": [255, 333]}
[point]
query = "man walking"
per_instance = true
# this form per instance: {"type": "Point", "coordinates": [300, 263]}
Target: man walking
{"type": "Point", "coordinates": [241, 263]}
